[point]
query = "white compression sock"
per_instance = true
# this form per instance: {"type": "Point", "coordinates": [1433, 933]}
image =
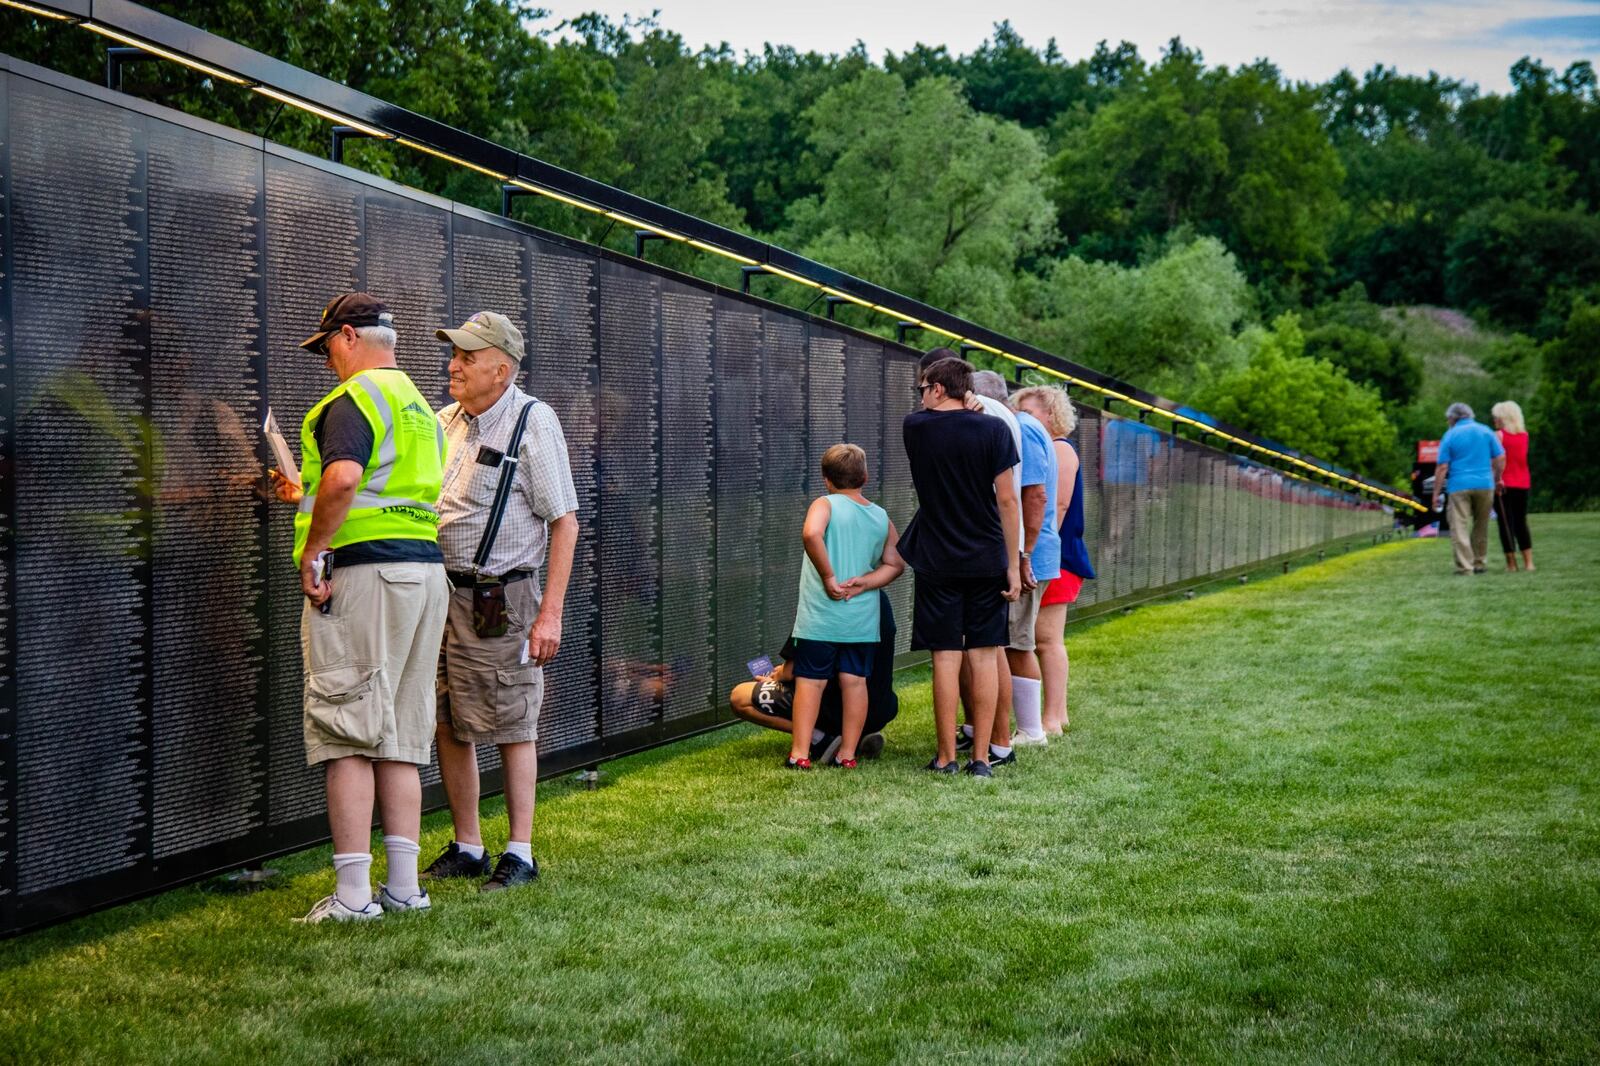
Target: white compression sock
{"type": "Point", "coordinates": [352, 877]}
{"type": "Point", "coordinates": [521, 849]}
{"type": "Point", "coordinates": [1025, 693]}
{"type": "Point", "coordinates": [403, 854]}
{"type": "Point", "coordinates": [471, 851]}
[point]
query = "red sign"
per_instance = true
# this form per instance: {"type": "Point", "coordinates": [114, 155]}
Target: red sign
{"type": "Point", "coordinates": [1427, 451]}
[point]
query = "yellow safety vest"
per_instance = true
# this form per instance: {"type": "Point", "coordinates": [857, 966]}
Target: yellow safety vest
{"type": "Point", "coordinates": [398, 496]}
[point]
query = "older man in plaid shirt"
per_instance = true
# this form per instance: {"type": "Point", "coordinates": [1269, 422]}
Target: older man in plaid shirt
{"type": "Point", "coordinates": [501, 630]}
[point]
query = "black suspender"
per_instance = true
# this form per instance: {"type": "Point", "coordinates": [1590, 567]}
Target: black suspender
{"type": "Point", "coordinates": [502, 492]}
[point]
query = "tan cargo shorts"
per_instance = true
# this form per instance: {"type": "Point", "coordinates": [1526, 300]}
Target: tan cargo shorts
{"type": "Point", "coordinates": [1024, 617]}
{"type": "Point", "coordinates": [487, 694]}
{"type": "Point", "coordinates": [369, 663]}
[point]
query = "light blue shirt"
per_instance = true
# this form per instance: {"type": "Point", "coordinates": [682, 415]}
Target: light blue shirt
{"type": "Point", "coordinates": [855, 538]}
{"type": "Point", "coordinates": [1470, 447]}
{"type": "Point", "coordinates": [1039, 468]}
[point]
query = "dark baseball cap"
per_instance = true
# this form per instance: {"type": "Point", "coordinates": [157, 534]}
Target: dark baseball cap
{"type": "Point", "coordinates": [352, 309]}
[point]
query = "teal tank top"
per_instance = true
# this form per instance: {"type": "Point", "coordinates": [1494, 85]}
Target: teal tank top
{"type": "Point", "coordinates": [855, 538]}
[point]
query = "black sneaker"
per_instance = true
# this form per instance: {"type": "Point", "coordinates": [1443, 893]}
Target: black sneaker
{"type": "Point", "coordinates": [509, 872]}
{"type": "Point", "coordinates": [822, 751]}
{"type": "Point", "coordinates": [456, 863]}
{"type": "Point", "coordinates": [963, 740]}
{"type": "Point", "coordinates": [871, 746]}
{"type": "Point", "coordinates": [977, 769]}
{"type": "Point", "coordinates": [951, 767]}
{"type": "Point", "coordinates": [1002, 760]}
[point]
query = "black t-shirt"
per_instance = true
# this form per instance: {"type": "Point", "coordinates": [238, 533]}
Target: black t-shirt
{"type": "Point", "coordinates": [955, 457]}
{"type": "Point", "coordinates": [343, 432]}
{"type": "Point", "coordinates": [882, 702]}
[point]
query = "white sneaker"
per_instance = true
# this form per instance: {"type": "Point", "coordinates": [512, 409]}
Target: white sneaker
{"type": "Point", "coordinates": [1029, 740]}
{"type": "Point", "coordinates": [332, 909]}
{"type": "Point", "coordinates": [391, 902]}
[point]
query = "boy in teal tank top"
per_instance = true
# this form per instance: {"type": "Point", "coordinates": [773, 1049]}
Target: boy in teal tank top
{"type": "Point", "coordinates": [850, 549]}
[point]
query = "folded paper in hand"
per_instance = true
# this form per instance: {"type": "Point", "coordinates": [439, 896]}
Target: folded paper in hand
{"type": "Point", "coordinates": [280, 449]}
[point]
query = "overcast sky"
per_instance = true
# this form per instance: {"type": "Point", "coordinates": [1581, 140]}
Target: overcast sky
{"type": "Point", "coordinates": [1475, 40]}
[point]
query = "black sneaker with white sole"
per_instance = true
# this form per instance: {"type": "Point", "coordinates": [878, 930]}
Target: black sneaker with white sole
{"type": "Point", "coordinates": [510, 872]}
{"type": "Point", "coordinates": [978, 769]}
{"type": "Point", "coordinates": [822, 751]}
{"type": "Point", "coordinates": [963, 740]}
{"type": "Point", "coordinates": [951, 767]}
{"type": "Point", "coordinates": [1002, 760]}
{"type": "Point", "coordinates": [456, 863]}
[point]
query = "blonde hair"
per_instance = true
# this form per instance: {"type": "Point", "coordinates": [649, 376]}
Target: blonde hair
{"type": "Point", "coordinates": [1509, 415]}
{"type": "Point", "coordinates": [845, 465]}
{"type": "Point", "coordinates": [1061, 418]}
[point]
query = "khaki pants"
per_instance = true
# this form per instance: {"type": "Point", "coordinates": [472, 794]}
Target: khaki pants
{"type": "Point", "coordinates": [370, 662]}
{"type": "Point", "coordinates": [1469, 527]}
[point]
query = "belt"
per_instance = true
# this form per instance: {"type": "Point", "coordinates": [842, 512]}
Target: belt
{"type": "Point", "coordinates": [466, 581]}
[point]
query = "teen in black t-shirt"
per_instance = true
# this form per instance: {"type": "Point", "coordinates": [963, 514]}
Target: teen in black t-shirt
{"type": "Point", "coordinates": [962, 547]}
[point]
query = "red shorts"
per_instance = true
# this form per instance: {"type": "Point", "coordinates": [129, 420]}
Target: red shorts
{"type": "Point", "coordinates": [1063, 589]}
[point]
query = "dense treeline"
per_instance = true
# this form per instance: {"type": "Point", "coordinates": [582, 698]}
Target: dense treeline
{"type": "Point", "coordinates": [1221, 235]}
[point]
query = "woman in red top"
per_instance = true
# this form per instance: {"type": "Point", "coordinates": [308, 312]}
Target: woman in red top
{"type": "Point", "coordinates": [1513, 502]}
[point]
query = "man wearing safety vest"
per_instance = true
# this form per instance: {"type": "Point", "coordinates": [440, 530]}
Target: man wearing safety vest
{"type": "Point", "coordinates": [367, 545]}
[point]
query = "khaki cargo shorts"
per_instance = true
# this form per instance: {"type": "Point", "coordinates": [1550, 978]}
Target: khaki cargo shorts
{"type": "Point", "coordinates": [487, 694]}
{"type": "Point", "coordinates": [1024, 617]}
{"type": "Point", "coordinates": [369, 663]}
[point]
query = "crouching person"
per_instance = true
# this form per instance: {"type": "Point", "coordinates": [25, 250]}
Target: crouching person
{"type": "Point", "coordinates": [507, 492]}
{"type": "Point", "coordinates": [769, 701]}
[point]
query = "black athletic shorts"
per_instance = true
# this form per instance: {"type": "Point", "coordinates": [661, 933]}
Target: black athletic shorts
{"type": "Point", "coordinates": [955, 613]}
{"type": "Point", "coordinates": [774, 699]}
{"type": "Point", "coordinates": [820, 660]}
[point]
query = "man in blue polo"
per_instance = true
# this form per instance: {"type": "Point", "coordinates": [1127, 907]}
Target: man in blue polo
{"type": "Point", "coordinates": [1471, 462]}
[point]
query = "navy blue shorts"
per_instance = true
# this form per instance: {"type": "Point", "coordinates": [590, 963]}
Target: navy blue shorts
{"type": "Point", "coordinates": [819, 660]}
{"type": "Point", "coordinates": [956, 613]}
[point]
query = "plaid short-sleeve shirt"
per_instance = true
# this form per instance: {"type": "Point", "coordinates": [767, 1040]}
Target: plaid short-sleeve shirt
{"type": "Point", "coordinates": [543, 490]}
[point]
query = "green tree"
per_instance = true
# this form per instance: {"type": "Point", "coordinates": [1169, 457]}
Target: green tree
{"type": "Point", "coordinates": [922, 195]}
{"type": "Point", "coordinates": [1515, 260]}
{"type": "Point", "coordinates": [1155, 325]}
{"type": "Point", "coordinates": [1564, 429]}
{"type": "Point", "coordinates": [1304, 402]}
{"type": "Point", "coordinates": [1237, 155]}
{"type": "Point", "coordinates": [1369, 358]}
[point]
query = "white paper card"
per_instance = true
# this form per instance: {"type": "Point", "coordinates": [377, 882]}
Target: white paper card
{"type": "Point", "coordinates": [280, 449]}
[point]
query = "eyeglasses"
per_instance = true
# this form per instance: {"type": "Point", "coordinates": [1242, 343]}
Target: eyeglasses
{"type": "Point", "coordinates": [923, 388]}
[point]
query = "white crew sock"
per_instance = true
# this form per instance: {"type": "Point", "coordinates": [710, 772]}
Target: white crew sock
{"type": "Point", "coordinates": [817, 735]}
{"type": "Point", "coordinates": [352, 875]}
{"type": "Point", "coordinates": [403, 854]}
{"type": "Point", "coordinates": [966, 730]}
{"type": "Point", "coordinates": [471, 851]}
{"type": "Point", "coordinates": [522, 849]}
{"type": "Point", "coordinates": [1025, 692]}
{"type": "Point", "coordinates": [997, 752]}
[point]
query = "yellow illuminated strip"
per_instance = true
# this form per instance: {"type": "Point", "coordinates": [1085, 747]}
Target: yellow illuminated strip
{"type": "Point", "coordinates": [41, 12]}
{"type": "Point", "coordinates": [519, 183]}
{"type": "Point", "coordinates": [714, 250]}
{"type": "Point", "coordinates": [322, 112]}
{"type": "Point", "coordinates": [636, 224]}
{"type": "Point", "coordinates": [796, 278]}
{"type": "Point", "coordinates": [448, 158]}
{"type": "Point", "coordinates": [153, 49]}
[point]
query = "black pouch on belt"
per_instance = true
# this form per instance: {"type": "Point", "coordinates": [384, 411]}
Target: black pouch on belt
{"type": "Point", "coordinates": [489, 607]}
{"type": "Point", "coordinates": [489, 593]}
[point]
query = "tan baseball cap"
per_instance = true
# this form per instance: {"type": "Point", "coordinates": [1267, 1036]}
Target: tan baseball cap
{"type": "Point", "coordinates": [486, 329]}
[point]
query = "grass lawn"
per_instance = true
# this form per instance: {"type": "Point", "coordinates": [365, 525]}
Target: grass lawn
{"type": "Point", "coordinates": [1351, 814]}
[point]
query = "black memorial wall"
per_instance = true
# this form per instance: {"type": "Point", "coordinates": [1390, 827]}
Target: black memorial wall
{"type": "Point", "coordinates": [156, 273]}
